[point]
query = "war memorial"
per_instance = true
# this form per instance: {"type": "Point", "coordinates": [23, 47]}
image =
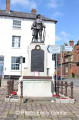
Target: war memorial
{"type": "Point", "coordinates": [37, 82]}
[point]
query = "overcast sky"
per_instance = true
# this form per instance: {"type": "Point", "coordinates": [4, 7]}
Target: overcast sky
{"type": "Point", "coordinates": [66, 12]}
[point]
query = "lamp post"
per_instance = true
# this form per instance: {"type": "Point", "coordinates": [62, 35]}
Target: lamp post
{"type": "Point", "coordinates": [21, 59]}
{"type": "Point", "coordinates": [62, 48]}
{"type": "Point", "coordinates": [56, 75]}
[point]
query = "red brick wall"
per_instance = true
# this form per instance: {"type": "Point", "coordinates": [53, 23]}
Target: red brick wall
{"type": "Point", "coordinates": [75, 68]}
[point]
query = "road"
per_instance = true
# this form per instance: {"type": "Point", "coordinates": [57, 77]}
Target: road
{"type": "Point", "coordinates": [74, 80]}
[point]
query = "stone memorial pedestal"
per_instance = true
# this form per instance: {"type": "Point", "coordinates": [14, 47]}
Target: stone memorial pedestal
{"type": "Point", "coordinates": [36, 79]}
{"type": "Point", "coordinates": [37, 86]}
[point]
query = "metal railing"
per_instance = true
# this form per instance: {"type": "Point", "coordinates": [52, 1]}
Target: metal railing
{"type": "Point", "coordinates": [10, 88]}
{"type": "Point", "coordinates": [62, 87]}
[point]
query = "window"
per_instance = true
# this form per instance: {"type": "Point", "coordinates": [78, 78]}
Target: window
{"type": "Point", "coordinates": [1, 59]}
{"type": "Point", "coordinates": [70, 66]}
{"type": "Point", "coordinates": [71, 57]}
{"type": "Point", "coordinates": [16, 24]}
{"type": "Point", "coordinates": [66, 69]}
{"type": "Point", "coordinates": [16, 41]}
{"type": "Point", "coordinates": [15, 63]}
{"type": "Point", "coordinates": [66, 59]}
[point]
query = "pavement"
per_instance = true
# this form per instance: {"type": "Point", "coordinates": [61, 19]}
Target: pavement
{"type": "Point", "coordinates": [39, 110]}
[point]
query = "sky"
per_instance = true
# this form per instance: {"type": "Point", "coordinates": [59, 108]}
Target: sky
{"type": "Point", "coordinates": [66, 12]}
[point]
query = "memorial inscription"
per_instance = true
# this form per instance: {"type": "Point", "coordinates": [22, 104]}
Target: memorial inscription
{"type": "Point", "coordinates": [37, 60]}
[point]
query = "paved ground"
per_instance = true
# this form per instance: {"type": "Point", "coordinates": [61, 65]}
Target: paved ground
{"type": "Point", "coordinates": [38, 110]}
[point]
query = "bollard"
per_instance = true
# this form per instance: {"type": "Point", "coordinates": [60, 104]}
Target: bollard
{"type": "Point", "coordinates": [12, 85]}
{"type": "Point", "coordinates": [21, 97]}
{"type": "Point", "coordinates": [61, 87]}
{"type": "Point", "coordinates": [71, 84]}
{"type": "Point", "coordinates": [0, 80]}
{"type": "Point", "coordinates": [66, 85]}
{"type": "Point", "coordinates": [9, 83]}
{"type": "Point", "coordinates": [8, 89]}
{"type": "Point", "coordinates": [58, 89]}
{"type": "Point", "coordinates": [55, 87]}
{"type": "Point", "coordinates": [21, 83]}
{"type": "Point", "coordinates": [21, 89]}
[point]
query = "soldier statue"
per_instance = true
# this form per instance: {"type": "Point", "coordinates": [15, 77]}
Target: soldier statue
{"type": "Point", "coordinates": [37, 28]}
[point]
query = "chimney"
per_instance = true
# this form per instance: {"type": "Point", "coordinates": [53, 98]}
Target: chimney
{"type": "Point", "coordinates": [71, 42]}
{"type": "Point", "coordinates": [7, 5]}
{"type": "Point", "coordinates": [65, 44]}
{"type": "Point", "coordinates": [33, 11]}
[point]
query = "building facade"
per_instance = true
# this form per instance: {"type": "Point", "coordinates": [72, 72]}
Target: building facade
{"type": "Point", "coordinates": [16, 35]}
{"type": "Point", "coordinates": [70, 62]}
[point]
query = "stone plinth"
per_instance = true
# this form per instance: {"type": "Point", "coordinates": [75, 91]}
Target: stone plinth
{"type": "Point", "coordinates": [37, 80]}
{"type": "Point", "coordinates": [37, 86]}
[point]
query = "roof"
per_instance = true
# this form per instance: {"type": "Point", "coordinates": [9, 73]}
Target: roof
{"type": "Point", "coordinates": [23, 15]}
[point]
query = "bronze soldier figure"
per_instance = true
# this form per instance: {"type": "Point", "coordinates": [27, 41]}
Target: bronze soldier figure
{"type": "Point", "coordinates": [37, 28]}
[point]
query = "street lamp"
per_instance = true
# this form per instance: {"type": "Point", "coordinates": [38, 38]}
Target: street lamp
{"type": "Point", "coordinates": [21, 59]}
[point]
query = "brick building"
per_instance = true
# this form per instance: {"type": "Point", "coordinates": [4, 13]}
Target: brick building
{"type": "Point", "coordinates": [70, 62]}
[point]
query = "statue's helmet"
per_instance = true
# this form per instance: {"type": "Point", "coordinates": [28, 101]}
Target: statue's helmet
{"type": "Point", "coordinates": [38, 16]}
